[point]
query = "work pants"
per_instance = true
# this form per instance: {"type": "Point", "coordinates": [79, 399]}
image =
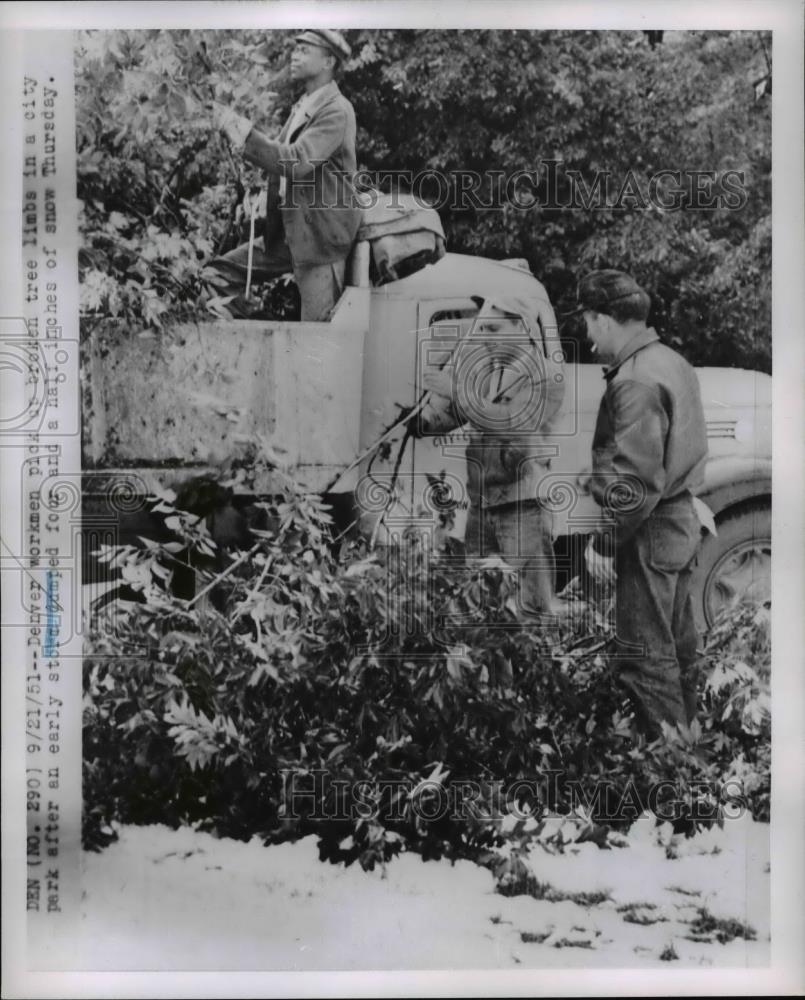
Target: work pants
{"type": "Point", "coordinates": [520, 533]}
{"type": "Point", "coordinates": [320, 285]}
{"type": "Point", "coordinates": [656, 657]}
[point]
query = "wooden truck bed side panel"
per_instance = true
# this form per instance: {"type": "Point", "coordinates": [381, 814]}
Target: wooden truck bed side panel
{"type": "Point", "coordinates": [192, 397]}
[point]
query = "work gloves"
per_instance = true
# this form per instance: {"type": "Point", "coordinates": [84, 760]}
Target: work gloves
{"type": "Point", "coordinates": [601, 568]}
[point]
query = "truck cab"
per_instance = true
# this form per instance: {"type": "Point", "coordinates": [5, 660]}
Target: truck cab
{"type": "Point", "coordinates": [160, 408]}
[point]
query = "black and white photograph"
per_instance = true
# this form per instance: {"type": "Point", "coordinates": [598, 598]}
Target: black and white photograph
{"type": "Point", "coordinates": [390, 474]}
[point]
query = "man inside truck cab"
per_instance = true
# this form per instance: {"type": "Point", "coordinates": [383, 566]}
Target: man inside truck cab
{"type": "Point", "coordinates": [311, 215]}
{"type": "Point", "coordinates": [505, 380]}
{"type": "Point", "coordinates": [649, 453]}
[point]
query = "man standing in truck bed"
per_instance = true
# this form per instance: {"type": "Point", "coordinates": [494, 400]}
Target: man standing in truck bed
{"type": "Point", "coordinates": [649, 453]}
{"type": "Point", "coordinates": [312, 216]}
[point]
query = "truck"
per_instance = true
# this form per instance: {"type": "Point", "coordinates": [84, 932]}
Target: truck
{"type": "Point", "coordinates": [160, 408]}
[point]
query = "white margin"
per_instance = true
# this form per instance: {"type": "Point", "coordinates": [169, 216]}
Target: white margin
{"type": "Point", "coordinates": [785, 976]}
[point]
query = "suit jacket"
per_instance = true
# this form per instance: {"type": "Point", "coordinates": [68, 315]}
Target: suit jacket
{"type": "Point", "coordinates": [320, 214]}
{"type": "Point", "coordinates": [650, 435]}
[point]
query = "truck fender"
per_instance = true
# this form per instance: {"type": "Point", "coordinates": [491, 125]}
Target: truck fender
{"type": "Point", "coordinates": [730, 481]}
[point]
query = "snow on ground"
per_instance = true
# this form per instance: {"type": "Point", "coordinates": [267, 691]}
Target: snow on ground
{"type": "Point", "coordinates": [160, 899]}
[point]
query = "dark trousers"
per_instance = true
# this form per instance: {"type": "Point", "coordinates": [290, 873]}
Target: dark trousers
{"type": "Point", "coordinates": [320, 285]}
{"type": "Point", "coordinates": [520, 533]}
{"type": "Point", "coordinates": [656, 658]}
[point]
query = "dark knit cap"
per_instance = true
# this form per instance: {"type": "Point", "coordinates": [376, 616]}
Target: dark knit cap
{"type": "Point", "coordinates": [609, 292]}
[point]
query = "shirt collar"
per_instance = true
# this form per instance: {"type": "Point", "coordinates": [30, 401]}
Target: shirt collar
{"type": "Point", "coordinates": [307, 104]}
{"type": "Point", "coordinates": [637, 343]}
{"type": "Point", "coordinates": [319, 94]}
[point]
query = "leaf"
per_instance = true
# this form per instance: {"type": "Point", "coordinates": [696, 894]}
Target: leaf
{"type": "Point", "coordinates": [360, 568]}
{"type": "Point", "coordinates": [337, 751]}
{"type": "Point", "coordinates": [456, 659]}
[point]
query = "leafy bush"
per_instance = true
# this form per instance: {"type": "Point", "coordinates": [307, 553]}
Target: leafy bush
{"type": "Point", "coordinates": [382, 687]}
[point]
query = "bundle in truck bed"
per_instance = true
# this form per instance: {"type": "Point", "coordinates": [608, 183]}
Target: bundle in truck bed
{"type": "Point", "coordinates": [404, 236]}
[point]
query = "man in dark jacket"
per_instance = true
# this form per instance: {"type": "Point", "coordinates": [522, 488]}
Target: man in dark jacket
{"type": "Point", "coordinates": [506, 381]}
{"type": "Point", "coordinates": [649, 454]}
{"type": "Point", "coordinates": [311, 215]}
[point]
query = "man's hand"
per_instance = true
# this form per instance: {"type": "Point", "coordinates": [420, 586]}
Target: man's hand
{"type": "Point", "coordinates": [440, 383]}
{"type": "Point", "coordinates": [601, 568]}
{"type": "Point", "coordinates": [234, 126]}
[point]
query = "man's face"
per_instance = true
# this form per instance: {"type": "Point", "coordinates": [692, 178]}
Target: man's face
{"type": "Point", "coordinates": [601, 335]}
{"type": "Point", "coordinates": [308, 61]}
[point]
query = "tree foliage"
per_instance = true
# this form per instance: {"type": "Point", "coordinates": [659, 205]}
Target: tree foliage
{"type": "Point", "coordinates": [382, 667]}
{"type": "Point", "coordinates": [159, 186]}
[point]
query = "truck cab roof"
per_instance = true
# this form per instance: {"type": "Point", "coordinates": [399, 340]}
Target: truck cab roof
{"type": "Point", "coordinates": [459, 274]}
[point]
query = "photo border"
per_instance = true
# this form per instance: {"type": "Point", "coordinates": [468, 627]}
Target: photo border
{"type": "Point", "coordinates": [785, 975]}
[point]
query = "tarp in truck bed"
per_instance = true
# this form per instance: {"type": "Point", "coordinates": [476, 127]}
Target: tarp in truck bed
{"type": "Point", "coordinates": [403, 234]}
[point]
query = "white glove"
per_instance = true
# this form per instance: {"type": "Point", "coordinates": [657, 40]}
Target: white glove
{"type": "Point", "coordinates": [705, 516]}
{"type": "Point", "coordinates": [256, 201]}
{"type": "Point", "coordinates": [601, 568]}
{"type": "Point", "coordinates": [234, 126]}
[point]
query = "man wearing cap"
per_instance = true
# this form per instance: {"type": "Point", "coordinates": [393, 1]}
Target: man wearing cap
{"type": "Point", "coordinates": [506, 381]}
{"type": "Point", "coordinates": [649, 454]}
{"type": "Point", "coordinates": [312, 215]}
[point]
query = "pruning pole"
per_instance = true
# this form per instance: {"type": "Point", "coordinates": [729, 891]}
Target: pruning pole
{"type": "Point", "coordinates": [240, 188]}
{"type": "Point", "coordinates": [375, 444]}
{"type": "Point", "coordinates": [368, 451]}
{"type": "Point", "coordinates": [250, 259]}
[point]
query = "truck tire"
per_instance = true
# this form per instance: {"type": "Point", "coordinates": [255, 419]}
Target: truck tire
{"type": "Point", "coordinates": [734, 567]}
